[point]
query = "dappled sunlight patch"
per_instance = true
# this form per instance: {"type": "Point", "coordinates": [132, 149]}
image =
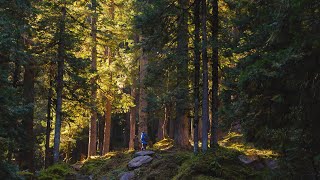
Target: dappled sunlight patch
{"type": "Point", "coordinates": [231, 138]}
{"type": "Point", "coordinates": [199, 143]}
{"type": "Point", "coordinates": [164, 144]}
{"type": "Point", "coordinates": [236, 142]}
{"type": "Point", "coordinates": [112, 154]}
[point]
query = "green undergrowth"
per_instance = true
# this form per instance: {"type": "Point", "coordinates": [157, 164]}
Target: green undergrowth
{"type": "Point", "coordinates": [56, 172]}
{"type": "Point", "coordinates": [109, 166]}
{"type": "Point", "coordinates": [221, 163]}
{"type": "Point", "coordinates": [165, 166]}
{"type": "Point", "coordinates": [235, 141]}
{"type": "Point", "coordinates": [172, 163]}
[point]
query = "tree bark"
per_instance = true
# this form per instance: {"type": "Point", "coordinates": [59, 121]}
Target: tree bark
{"type": "Point", "coordinates": [61, 56]}
{"type": "Point", "coordinates": [196, 75]}
{"type": "Point", "coordinates": [132, 119]}
{"type": "Point", "coordinates": [181, 136]}
{"type": "Point", "coordinates": [15, 80]}
{"type": "Point", "coordinates": [171, 125]}
{"type": "Point", "coordinates": [160, 134]}
{"type": "Point", "coordinates": [92, 146]}
{"type": "Point", "coordinates": [49, 118]}
{"type": "Point", "coordinates": [215, 77]}
{"type": "Point", "coordinates": [16, 73]}
{"type": "Point", "coordinates": [165, 123]}
{"type": "Point", "coordinates": [143, 122]}
{"type": "Point", "coordinates": [107, 128]}
{"type": "Point", "coordinates": [28, 93]}
{"type": "Point", "coordinates": [205, 95]}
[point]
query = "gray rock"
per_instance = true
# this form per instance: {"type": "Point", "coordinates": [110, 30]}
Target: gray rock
{"type": "Point", "coordinates": [143, 153]}
{"type": "Point", "coordinates": [139, 161]}
{"type": "Point", "coordinates": [77, 166]}
{"type": "Point", "coordinates": [253, 161]}
{"type": "Point", "coordinates": [127, 176]}
{"type": "Point", "coordinates": [248, 159]}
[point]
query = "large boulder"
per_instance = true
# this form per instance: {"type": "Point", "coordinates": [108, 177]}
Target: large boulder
{"type": "Point", "coordinates": [139, 161]}
{"type": "Point", "coordinates": [143, 153]}
{"type": "Point", "coordinates": [127, 176]}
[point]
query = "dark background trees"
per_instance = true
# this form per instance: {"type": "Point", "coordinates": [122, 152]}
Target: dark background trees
{"type": "Point", "coordinates": [133, 66]}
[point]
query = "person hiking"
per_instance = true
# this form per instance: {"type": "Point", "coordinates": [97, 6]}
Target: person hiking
{"type": "Point", "coordinates": [144, 141]}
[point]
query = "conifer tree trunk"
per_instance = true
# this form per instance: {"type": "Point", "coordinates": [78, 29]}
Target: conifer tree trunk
{"type": "Point", "coordinates": [107, 128]}
{"type": "Point", "coordinates": [49, 118]}
{"type": "Point", "coordinates": [181, 136]}
{"type": "Point", "coordinates": [160, 134]}
{"type": "Point", "coordinates": [143, 123]}
{"type": "Point", "coordinates": [133, 111]}
{"type": "Point", "coordinates": [17, 70]}
{"type": "Point", "coordinates": [200, 125]}
{"type": "Point", "coordinates": [196, 75]}
{"type": "Point", "coordinates": [28, 93]}
{"type": "Point", "coordinates": [61, 56]}
{"type": "Point", "coordinates": [92, 146]}
{"type": "Point", "coordinates": [205, 95]}
{"type": "Point", "coordinates": [108, 108]}
{"type": "Point", "coordinates": [171, 125]}
{"type": "Point", "coordinates": [215, 79]}
{"type": "Point", "coordinates": [165, 123]}
{"type": "Point", "coordinates": [16, 73]}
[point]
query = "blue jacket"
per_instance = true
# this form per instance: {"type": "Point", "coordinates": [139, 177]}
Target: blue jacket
{"type": "Point", "coordinates": [143, 138]}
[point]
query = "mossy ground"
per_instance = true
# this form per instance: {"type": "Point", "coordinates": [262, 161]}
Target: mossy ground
{"type": "Point", "coordinates": [173, 163]}
{"type": "Point", "coordinates": [56, 172]}
{"type": "Point", "coordinates": [109, 166]}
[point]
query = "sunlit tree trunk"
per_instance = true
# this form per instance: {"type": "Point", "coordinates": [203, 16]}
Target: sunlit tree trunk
{"type": "Point", "coordinates": [215, 78]}
{"type": "Point", "coordinates": [205, 95]}
{"type": "Point", "coordinates": [181, 136]}
{"type": "Point", "coordinates": [28, 93]}
{"type": "Point", "coordinates": [196, 75]}
{"type": "Point", "coordinates": [61, 56]}
{"type": "Point", "coordinates": [92, 146]}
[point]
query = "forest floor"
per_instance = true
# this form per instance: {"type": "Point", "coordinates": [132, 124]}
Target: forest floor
{"type": "Point", "coordinates": [234, 159]}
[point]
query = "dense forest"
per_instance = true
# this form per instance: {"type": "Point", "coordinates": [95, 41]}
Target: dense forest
{"type": "Point", "coordinates": [219, 87]}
